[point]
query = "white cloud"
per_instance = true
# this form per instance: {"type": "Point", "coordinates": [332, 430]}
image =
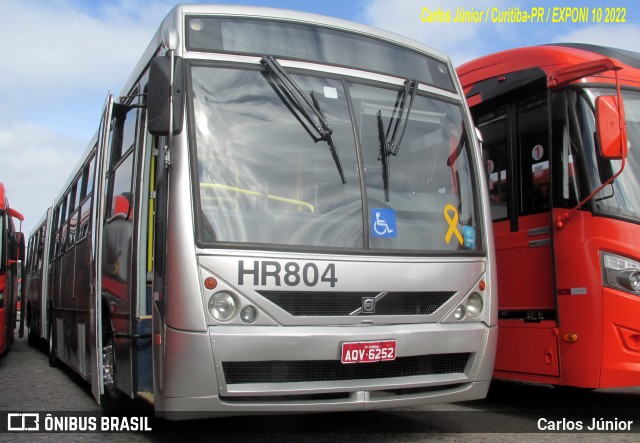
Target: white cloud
{"type": "Point", "coordinates": [35, 163]}
{"type": "Point", "coordinates": [63, 51]}
{"type": "Point", "coordinates": [61, 59]}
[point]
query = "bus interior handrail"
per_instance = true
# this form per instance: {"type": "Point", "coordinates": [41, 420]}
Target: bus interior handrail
{"type": "Point", "coordinates": [291, 201]}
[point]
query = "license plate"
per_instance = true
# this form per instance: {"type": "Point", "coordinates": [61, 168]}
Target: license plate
{"type": "Point", "coordinates": [368, 351]}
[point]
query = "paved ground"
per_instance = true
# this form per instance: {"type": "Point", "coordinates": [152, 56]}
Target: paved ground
{"type": "Point", "coordinates": [27, 383]}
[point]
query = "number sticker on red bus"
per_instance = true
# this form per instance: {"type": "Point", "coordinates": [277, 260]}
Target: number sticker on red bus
{"type": "Point", "coordinates": [368, 351]}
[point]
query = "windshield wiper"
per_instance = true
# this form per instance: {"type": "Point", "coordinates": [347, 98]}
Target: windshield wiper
{"type": "Point", "coordinates": [410, 89]}
{"type": "Point", "coordinates": [384, 156]}
{"type": "Point", "coordinates": [307, 112]}
{"type": "Point", "coordinates": [389, 146]}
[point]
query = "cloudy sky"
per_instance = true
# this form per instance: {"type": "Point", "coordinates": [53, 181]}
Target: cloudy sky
{"type": "Point", "coordinates": [61, 57]}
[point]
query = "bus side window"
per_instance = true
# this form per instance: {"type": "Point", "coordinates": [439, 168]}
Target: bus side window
{"type": "Point", "coordinates": [121, 196]}
{"type": "Point", "coordinates": [534, 155]}
{"type": "Point", "coordinates": [123, 139]}
{"type": "Point", "coordinates": [30, 254]}
{"type": "Point", "coordinates": [86, 199]}
{"type": "Point", "coordinates": [73, 213]}
{"type": "Point", "coordinates": [54, 234]}
{"type": "Point", "coordinates": [123, 134]}
{"type": "Point", "coordinates": [63, 224]}
{"type": "Point", "coordinates": [40, 249]}
{"type": "Point", "coordinates": [494, 132]}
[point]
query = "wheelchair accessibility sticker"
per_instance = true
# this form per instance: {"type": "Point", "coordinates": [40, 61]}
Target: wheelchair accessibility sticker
{"type": "Point", "coordinates": [383, 222]}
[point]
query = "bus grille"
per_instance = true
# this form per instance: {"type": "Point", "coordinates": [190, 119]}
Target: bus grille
{"type": "Point", "coordinates": [335, 304]}
{"type": "Point", "coordinates": [334, 370]}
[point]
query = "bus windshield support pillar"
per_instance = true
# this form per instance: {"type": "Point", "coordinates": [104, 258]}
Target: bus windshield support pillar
{"type": "Point", "coordinates": [610, 120]}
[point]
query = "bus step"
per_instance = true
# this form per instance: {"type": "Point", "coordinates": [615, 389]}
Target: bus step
{"type": "Point", "coordinates": [147, 396]}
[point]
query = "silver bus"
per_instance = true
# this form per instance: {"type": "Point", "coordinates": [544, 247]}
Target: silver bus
{"type": "Point", "coordinates": [281, 212]}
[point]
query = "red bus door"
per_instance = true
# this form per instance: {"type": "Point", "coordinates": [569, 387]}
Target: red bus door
{"type": "Point", "coordinates": [597, 327]}
{"type": "Point", "coordinates": [517, 162]}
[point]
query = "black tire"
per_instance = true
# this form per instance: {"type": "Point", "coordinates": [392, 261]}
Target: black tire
{"type": "Point", "coordinates": [53, 358]}
{"type": "Point", "coordinates": [32, 340]}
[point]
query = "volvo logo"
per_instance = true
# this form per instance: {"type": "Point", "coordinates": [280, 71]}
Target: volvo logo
{"type": "Point", "coordinates": [368, 305]}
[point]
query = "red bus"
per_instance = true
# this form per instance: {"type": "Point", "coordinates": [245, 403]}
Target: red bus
{"type": "Point", "coordinates": [565, 209]}
{"type": "Point", "coordinates": [11, 254]}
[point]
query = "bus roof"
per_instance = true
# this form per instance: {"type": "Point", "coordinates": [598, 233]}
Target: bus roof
{"type": "Point", "coordinates": [536, 62]}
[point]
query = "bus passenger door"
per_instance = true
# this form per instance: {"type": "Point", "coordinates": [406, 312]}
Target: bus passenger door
{"type": "Point", "coordinates": [97, 218]}
{"type": "Point", "coordinates": [119, 271]}
{"type": "Point", "coordinates": [516, 156]}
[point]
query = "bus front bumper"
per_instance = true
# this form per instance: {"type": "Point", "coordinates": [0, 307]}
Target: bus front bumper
{"type": "Point", "coordinates": [298, 369]}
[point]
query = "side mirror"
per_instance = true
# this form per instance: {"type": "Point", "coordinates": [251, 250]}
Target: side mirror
{"type": "Point", "coordinates": [17, 246]}
{"type": "Point", "coordinates": [15, 214]}
{"type": "Point", "coordinates": [611, 128]}
{"type": "Point", "coordinates": [158, 99]}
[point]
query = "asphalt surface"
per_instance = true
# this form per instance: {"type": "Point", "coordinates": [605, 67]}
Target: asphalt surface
{"type": "Point", "coordinates": [511, 412]}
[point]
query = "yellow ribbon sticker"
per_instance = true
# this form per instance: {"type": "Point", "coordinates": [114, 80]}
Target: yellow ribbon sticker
{"type": "Point", "coordinates": [451, 216]}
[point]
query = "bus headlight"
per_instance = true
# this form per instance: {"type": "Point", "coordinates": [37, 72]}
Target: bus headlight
{"type": "Point", "coordinates": [460, 312]}
{"type": "Point", "coordinates": [248, 314]}
{"type": "Point", "coordinates": [475, 304]}
{"type": "Point", "coordinates": [629, 279]}
{"type": "Point", "coordinates": [222, 305]}
{"type": "Point", "coordinates": [620, 273]}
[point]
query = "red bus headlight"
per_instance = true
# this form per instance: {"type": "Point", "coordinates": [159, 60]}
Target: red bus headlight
{"type": "Point", "coordinates": [620, 273]}
{"type": "Point", "coordinates": [629, 279]}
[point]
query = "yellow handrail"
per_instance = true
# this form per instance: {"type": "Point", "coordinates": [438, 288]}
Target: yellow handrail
{"type": "Point", "coordinates": [258, 194]}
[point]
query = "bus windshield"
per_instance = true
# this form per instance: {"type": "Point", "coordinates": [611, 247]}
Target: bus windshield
{"type": "Point", "coordinates": [623, 199]}
{"type": "Point", "coordinates": [263, 178]}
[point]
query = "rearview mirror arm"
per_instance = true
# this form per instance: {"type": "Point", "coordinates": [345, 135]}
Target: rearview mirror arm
{"type": "Point", "coordinates": [560, 222]}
